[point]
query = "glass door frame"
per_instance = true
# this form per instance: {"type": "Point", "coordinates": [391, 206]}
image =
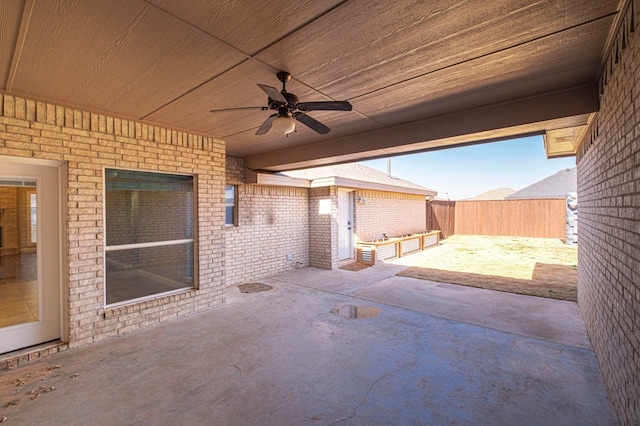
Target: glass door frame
{"type": "Point", "coordinates": [50, 189]}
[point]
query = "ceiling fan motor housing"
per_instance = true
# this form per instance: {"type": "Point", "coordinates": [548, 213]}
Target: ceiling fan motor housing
{"type": "Point", "coordinates": [292, 101]}
{"type": "Point", "coordinates": [283, 76]}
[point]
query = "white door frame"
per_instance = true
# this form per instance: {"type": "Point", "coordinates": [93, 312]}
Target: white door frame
{"type": "Point", "coordinates": [49, 192]}
{"type": "Point", "coordinates": [345, 224]}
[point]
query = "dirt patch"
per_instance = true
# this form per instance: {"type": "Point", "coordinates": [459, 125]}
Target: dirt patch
{"type": "Point", "coordinates": [532, 266]}
{"type": "Point", "coordinates": [553, 281]}
{"type": "Point", "coordinates": [30, 384]}
{"type": "Point", "coordinates": [355, 266]}
{"type": "Point", "coordinates": [254, 287]}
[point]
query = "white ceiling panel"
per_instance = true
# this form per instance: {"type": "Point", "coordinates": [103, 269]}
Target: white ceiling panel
{"type": "Point", "coordinates": [114, 56]}
{"type": "Point", "coordinates": [400, 64]}
{"type": "Point", "coordinates": [248, 26]}
{"type": "Point", "coordinates": [526, 70]}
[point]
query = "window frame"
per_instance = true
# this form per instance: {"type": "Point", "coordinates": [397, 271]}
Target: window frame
{"type": "Point", "coordinates": [33, 217]}
{"type": "Point", "coordinates": [234, 205]}
{"type": "Point", "coordinates": [121, 247]}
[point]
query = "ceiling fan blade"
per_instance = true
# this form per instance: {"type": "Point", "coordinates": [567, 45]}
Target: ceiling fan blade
{"type": "Point", "coordinates": [325, 106]}
{"type": "Point", "coordinates": [257, 108]}
{"type": "Point", "coordinates": [264, 128]}
{"type": "Point", "coordinates": [311, 122]}
{"type": "Point", "coordinates": [273, 93]}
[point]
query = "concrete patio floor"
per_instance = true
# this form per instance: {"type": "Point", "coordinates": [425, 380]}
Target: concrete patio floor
{"type": "Point", "coordinates": [435, 354]}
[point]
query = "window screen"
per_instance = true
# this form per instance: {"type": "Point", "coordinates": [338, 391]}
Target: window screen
{"type": "Point", "coordinates": [149, 229]}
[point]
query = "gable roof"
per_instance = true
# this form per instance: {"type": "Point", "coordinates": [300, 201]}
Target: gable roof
{"type": "Point", "coordinates": [557, 185]}
{"type": "Point", "coordinates": [355, 175]}
{"type": "Point", "coordinates": [495, 194]}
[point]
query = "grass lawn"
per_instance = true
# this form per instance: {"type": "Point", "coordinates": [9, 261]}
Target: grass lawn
{"type": "Point", "coordinates": [534, 266]}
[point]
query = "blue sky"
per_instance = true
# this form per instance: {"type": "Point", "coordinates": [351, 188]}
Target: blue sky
{"type": "Point", "coordinates": [469, 171]}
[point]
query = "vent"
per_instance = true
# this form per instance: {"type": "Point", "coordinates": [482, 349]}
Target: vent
{"type": "Point", "coordinates": [366, 254]}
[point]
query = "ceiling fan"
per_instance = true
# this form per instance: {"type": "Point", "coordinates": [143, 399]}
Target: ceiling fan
{"type": "Point", "coordinates": [290, 110]}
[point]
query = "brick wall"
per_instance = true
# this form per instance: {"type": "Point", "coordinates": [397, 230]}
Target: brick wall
{"type": "Point", "coordinates": [323, 227]}
{"type": "Point", "coordinates": [24, 219]}
{"type": "Point", "coordinates": [390, 213]}
{"type": "Point", "coordinates": [609, 231]}
{"type": "Point", "coordinates": [87, 143]}
{"type": "Point", "coordinates": [375, 213]}
{"type": "Point", "coordinates": [272, 235]}
{"type": "Point", "coordinates": [15, 219]}
{"type": "Point", "coordinates": [9, 219]}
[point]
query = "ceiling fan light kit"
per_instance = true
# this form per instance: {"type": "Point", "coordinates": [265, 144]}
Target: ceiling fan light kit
{"type": "Point", "coordinates": [284, 125]}
{"type": "Point", "coordinates": [290, 109]}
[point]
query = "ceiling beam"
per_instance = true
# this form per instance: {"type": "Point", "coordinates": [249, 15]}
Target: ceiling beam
{"type": "Point", "coordinates": [19, 47]}
{"type": "Point", "coordinates": [510, 119]}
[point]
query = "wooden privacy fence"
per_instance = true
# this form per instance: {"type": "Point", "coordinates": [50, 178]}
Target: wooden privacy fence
{"type": "Point", "coordinates": [441, 215]}
{"type": "Point", "coordinates": [542, 218]}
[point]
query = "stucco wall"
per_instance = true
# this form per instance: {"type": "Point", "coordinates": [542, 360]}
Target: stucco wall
{"type": "Point", "coordinates": [87, 143]}
{"type": "Point", "coordinates": [609, 230]}
{"type": "Point", "coordinates": [389, 213]}
{"type": "Point", "coordinates": [272, 233]}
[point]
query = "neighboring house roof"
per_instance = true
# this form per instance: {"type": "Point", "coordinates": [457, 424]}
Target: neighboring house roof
{"type": "Point", "coordinates": [495, 194]}
{"type": "Point", "coordinates": [557, 185]}
{"type": "Point", "coordinates": [355, 175]}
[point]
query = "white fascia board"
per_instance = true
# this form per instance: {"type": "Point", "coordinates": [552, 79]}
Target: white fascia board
{"type": "Point", "coordinates": [374, 186]}
{"type": "Point", "coordinates": [279, 180]}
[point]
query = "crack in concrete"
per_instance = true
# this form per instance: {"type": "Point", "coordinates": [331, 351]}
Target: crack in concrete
{"type": "Point", "coordinates": [406, 366]}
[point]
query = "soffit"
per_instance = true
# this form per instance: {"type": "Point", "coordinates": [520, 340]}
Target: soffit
{"type": "Point", "coordinates": [398, 63]}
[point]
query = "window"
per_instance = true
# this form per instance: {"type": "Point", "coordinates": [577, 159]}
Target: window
{"type": "Point", "coordinates": [231, 205]}
{"type": "Point", "coordinates": [149, 232]}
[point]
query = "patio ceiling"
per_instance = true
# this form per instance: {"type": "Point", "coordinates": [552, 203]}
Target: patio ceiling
{"type": "Point", "coordinates": [420, 74]}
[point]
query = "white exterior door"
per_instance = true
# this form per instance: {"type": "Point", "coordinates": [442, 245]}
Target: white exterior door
{"type": "Point", "coordinates": [30, 307]}
{"type": "Point", "coordinates": [345, 224]}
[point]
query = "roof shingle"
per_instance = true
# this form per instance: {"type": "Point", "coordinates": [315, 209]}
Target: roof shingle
{"type": "Point", "coordinates": [354, 171]}
{"type": "Point", "coordinates": [554, 186]}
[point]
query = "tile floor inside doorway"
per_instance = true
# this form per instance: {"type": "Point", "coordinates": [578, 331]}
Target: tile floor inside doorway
{"type": "Point", "coordinates": [18, 289]}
